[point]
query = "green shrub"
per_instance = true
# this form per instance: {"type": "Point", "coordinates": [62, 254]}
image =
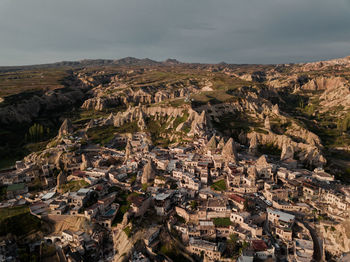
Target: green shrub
{"type": "Point", "coordinates": [219, 185]}
{"type": "Point", "coordinates": [222, 221]}
{"type": "Point", "coordinates": [127, 231]}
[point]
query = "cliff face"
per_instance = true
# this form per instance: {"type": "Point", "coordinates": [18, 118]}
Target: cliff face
{"type": "Point", "coordinates": [229, 151]}
{"type": "Point", "coordinates": [117, 93]}
{"type": "Point", "coordinates": [336, 236]}
{"type": "Point", "coordinates": [29, 109]}
{"type": "Point", "coordinates": [26, 108]}
{"type": "Point", "coordinates": [307, 153]}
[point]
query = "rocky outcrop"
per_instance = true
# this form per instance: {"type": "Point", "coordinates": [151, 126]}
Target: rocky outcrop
{"type": "Point", "coordinates": [336, 236]}
{"type": "Point", "coordinates": [229, 151]}
{"type": "Point", "coordinates": [137, 113]}
{"type": "Point", "coordinates": [141, 121]}
{"type": "Point", "coordinates": [253, 144]}
{"type": "Point", "coordinates": [287, 152]}
{"type": "Point", "coordinates": [221, 144]}
{"type": "Point", "coordinates": [148, 173]}
{"type": "Point", "coordinates": [85, 162]}
{"type": "Point", "coordinates": [252, 172]}
{"type": "Point", "coordinates": [101, 103]}
{"type": "Point", "coordinates": [307, 153]}
{"type": "Point", "coordinates": [66, 128]}
{"type": "Point", "coordinates": [262, 161]}
{"type": "Point", "coordinates": [89, 125]}
{"type": "Point", "coordinates": [267, 123]}
{"type": "Point", "coordinates": [321, 65]}
{"type": "Point", "coordinates": [128, 150]}
{"type": "Point", "coordinates": [276, 109]}
{"type": "Point", "coordinates": [324, 83]}
{"type": "Point", "coordinates": [199, 125]}
{"type": "Point", "coordinates": [211, 145]}
{"type": "Point", "coordinates": [306, 136]}
{"type": "Point", "coordinates": [26, 110]}
{"type": "Point", "coordinates": [109, 120]}
{"type": "Point", "coordinates": [336, 94]}
{"type": "Point", "coordinates": [61, 180]}
{"type": "Point", "coordinates": [258, 76]}
{"type": "Point", "coordinates": [110, 96]}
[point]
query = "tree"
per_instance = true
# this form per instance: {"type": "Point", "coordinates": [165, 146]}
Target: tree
{"type": "Point", "coordinates": [144, 187]}
{"type": "Point", "coordinates": [232, 245]}
{"type": "Point", "coordinates": [36, 133]}
{"type": "Point", "coordinates": [233, 238]}
{"type": "Point", "coordinates": [194, 204]}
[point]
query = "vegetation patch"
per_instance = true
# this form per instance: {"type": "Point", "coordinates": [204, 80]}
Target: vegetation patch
{"type": "Point", "coordinates": [74, 186]}
{"type": "Point", "coordinates": [269, 149]}
{"type": "Point", "coordinates": [127, 231]}
{"type": "Point", "coordinates": [219, 185]}
{"type": "Point", "coordinates": [123, 200]}
{"type": "Point", "coordinates": [105, 134]}
{"type": "Point", "coordinates": [19, 81]}
{"type": "Point", "coordinates": [180, 119]}
{"type": "Point", "coordinates": [12, 211]}
{"type": "Point", "coordinates": [222, 221]}
{"type": "Point", "coordinates": [18, 221]}
{"type": "Point", "coordinates": [232, 124]}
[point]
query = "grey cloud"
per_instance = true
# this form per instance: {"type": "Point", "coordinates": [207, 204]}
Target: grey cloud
{"type": "Point", "coordinates": [242, 31]}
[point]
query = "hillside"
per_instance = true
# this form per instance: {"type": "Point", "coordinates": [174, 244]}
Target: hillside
{"type": "Point", "coordinates": [293, 110]}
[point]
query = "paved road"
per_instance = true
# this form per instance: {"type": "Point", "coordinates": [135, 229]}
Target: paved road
{"type": "Point", "coordinates": [318, 252]}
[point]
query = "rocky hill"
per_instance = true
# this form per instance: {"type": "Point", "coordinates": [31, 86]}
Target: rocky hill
{"type": "Point", "coordinates": [298, 111]}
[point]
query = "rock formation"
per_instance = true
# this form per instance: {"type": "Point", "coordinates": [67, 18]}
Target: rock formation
{"type": "Point", "coordinates": [128, 150]}
{"type": "Point", "coordinates": [221, 144]}
{"type": "Point", "coordinates": [148, 173]}
{"type": "Point", "coordinates": [267, 123]}
{"type": "Point", "coordinates": [109, 120]}
{"type": "Point", "coordinates": [229, 151]}
{"type": "Point", "coordinates": [26, 110]}
{"type": "Point", "coordinates": [287, 152]}
{"type": "Point", "coordinates": [141, 122]}
{"type": "Point", "coordinates": [211, 145]}
{"type": "Point", "coordinates": [199, 125]}
{"type": "Point", "coordinates": [253, 145]}
{"type": "Point", "coordinates": [66, 128]}
{"type": "Point", "coordinates": [242, 137]}
{"type": "Point", "coordinates": [276, 109]}
{"type": "Point", "coordinates": [61, 180]}
{"type": "Point", "coordinates": [85, 162]}
{"type": "Point", "coordinates": [307, 153]}
{"type": "Point", "coordinates": [252, 172]}
{"type": "Point", "coordinates": [262, 161]}
{"type": "Point", "coordinates": [102, 103]}
{"type": "Point", "coordinates": [89, 125]}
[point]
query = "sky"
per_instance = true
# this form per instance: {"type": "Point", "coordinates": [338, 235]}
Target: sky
{"type": "Point", "coordinates": [204, 31]}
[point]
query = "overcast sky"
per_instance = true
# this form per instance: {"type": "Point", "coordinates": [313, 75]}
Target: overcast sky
{"type": "Point", "coordinates": [234, 31]}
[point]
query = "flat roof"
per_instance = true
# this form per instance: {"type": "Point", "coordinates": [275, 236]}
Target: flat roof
{"type": "Point", "coordinates": [48, 195]}
{"type": "Point", "coordinates": [206, 223]}
{"type": "Point", "coordinates": [282, 215]}
{"type": "Point", "coordinates": [162, 196]}
{"type": "Point", "coordinates": [83, 190]}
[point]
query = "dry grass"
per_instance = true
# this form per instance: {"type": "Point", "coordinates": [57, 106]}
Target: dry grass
{"type": "Point", "coordinates": [12, 83]}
